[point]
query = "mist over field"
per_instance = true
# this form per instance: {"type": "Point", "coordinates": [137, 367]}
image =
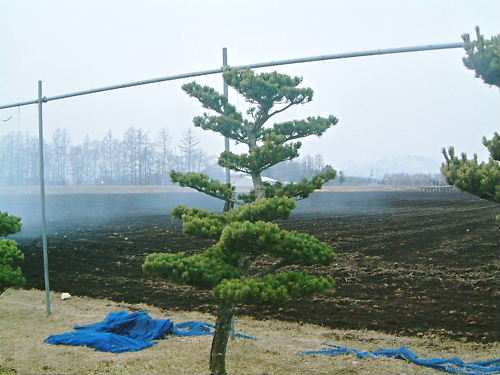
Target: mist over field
{"type": "Point", "coordinates": [65, 212]}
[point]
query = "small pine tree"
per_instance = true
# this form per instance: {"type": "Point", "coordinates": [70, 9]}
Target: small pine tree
{"type": "Point", "coordinates": [481, 179]}
{"type": "Point", "coordinates": [232, 268]}
{"type": "Point", "coordinates": [10, 277]}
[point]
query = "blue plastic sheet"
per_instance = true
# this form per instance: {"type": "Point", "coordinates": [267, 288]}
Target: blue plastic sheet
{"type": "Point", "coordinates": [193, 328]}
{"type": "Point", "coordinates": [452, 365]}
{"type": "Point", "coordinates": [119, 332]}
{"type": "Point", "coordinates": [128, 332]}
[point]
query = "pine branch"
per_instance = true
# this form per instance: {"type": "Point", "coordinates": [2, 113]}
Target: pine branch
{"type": "Point", "coordinates": [9, 224]}
{"type": "Point", "coordinates": [271, 269]}
{"type": "Point", "coordinates": [298, 191]}
{"type": "Point", "coordinates": [205, 184]}
{"type": "Point", "coordinates": [229, 126]}
{"type": "Point", "coordinates": [280, 110]}
{"type": "Point", "coordinates": [268, 238]}
{"type": "Point", "coordinates": [277, 288]}
{"type": "Point", "coordinates": [206, 224]}
{"type": "Point", "coordinates": [291, 130]}
{"type": "Point", "coordinates": [261, 158]}
{"type": "Point", "coordinates": [481, 179]}
{"type": "Point", "coordinates": [210, 98]}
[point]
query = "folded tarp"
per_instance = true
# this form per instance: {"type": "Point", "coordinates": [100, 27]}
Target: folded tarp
{"type": "Point", "coordinates": [119, 332]}
{"type": "Point", "coordinates": [123, 332]}
{"type": "Point", "coordinates": [452, 365]}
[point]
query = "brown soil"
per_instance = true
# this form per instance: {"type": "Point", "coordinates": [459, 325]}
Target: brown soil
{"type": "Point", "coordinates": [428, 266]}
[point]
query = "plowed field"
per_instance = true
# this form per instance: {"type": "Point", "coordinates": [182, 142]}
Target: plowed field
{"type": "Point", "coordinates": [411, 263]}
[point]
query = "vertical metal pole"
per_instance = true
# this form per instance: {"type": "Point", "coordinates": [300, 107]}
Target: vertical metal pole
{"type": "Point", "coordinates": [226, 139]}
{"type": "Point", "coordinates": [42, 198]}
{"type": "Point", "coordinates": [228, 174]}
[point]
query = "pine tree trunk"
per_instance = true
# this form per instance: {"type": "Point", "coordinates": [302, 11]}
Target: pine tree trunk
{"type": "Point", "coordinates": [258, 186]}
{"type": "Point", "coordinates": [228, 205]}
{"type": "Point", "coordinates": [219, 343]}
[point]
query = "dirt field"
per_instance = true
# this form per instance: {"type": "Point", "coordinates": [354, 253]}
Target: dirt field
{"type": "Point", "coordinates": [409, 263]}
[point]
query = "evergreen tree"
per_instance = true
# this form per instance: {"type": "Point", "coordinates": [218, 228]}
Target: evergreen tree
{"type": "Point", "coordinates": [10, 277]}
{"type": "Point", "coordinates": [483, 57]}
{"type": "Point", "coordinates": [481, 179]}
{"type": "Point", "coordinates": [233, 267]}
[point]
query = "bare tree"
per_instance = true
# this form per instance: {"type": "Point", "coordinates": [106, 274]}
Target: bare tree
{"type": "Point", "coordinates": [32, 176]}
{"type": "Point", "coordinates": [164, 155]}
{"type": "Point", "coordinates": [60, 151]}
{"type": "Point", "coordinates": [188, 147]}
{"type": "Point", "coordinates": [77, 162]}
{"type": "Point", "coordinates": [107, 155]}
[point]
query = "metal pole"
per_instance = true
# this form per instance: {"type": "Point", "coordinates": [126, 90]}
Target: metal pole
{"type": "Point", "coordinates": [248, 66]}
{"type": "Point", "coordinates": [226, 95]}
{"type": "Point", "coordinates": [228, 174]}
{"type": "Point", "coordinates": [42, 197]}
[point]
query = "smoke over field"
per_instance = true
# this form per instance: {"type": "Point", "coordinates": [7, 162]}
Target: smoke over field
{"type": "Point", "coordinates": [67, 211]}
{"type": "Point", "coordinates": [95, 207]}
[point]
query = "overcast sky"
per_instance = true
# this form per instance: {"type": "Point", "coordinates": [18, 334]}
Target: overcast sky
{"type": "Point", "coordinates": [405, 104]}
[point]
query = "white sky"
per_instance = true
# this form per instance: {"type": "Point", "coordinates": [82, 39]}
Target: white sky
{"type": "Point", "coordinates": [407, 104]}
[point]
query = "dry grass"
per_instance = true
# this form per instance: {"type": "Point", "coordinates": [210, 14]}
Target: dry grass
{"type": "Point", "coordinates": [24, 325]}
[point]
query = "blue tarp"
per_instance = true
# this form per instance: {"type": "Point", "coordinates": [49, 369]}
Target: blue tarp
{"type": "Point", "coordinates": [123, 332]}
{"type": "Point", "coordinates": [193, 328]}
{"type": "Point", "coordinates": [452, 365]}
{"type": "Point", "coordinates": [119, 332]}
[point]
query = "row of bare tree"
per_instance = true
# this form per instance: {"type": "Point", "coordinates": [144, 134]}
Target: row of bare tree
{"type": "Point", "coordinates": [136, 159]}
{"type": "Point", "coordinates": [133, 159]}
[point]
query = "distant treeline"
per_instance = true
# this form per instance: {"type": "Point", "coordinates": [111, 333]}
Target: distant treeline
{"type": "Point", "coordinates": [133, 159]}
{"type": "Point", "coordinates": [308, 166]}
{"type": "Point", "coordinates": [138, 159]}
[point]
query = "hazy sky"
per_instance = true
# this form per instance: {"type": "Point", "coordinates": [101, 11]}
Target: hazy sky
{"type": "Point", "coordinates": [406, 104]}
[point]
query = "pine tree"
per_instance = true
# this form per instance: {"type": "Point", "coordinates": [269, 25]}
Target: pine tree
{"type": "Point", "coordinates": [233, 267]}
{"type": "Point", "coordinates": [483, 57]}
{"type": "Point", "coordinates": [481, 179]}
{"type": "Point", "coordinates": [10, 277]}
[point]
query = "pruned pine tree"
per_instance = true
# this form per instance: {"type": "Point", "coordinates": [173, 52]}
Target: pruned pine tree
{"type": "Point", "coordinates": [481, 179]}
{"type": "Point", "coordinates": [233, 268]}
{"type": "Point", "coordinates": [10, 275]}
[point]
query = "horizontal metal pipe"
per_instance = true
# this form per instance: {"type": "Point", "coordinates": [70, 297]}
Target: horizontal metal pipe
{"type": "Point", "coordinates": [115, 87]}
{"type": "Point", "coordinates": [137, 83]}
{"type": "Point", "coordinates": [248, 66]}
{"type": "Point", "coordinates": [352, 54]}
{"type": "Point", "coordinates": [20, 104]}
